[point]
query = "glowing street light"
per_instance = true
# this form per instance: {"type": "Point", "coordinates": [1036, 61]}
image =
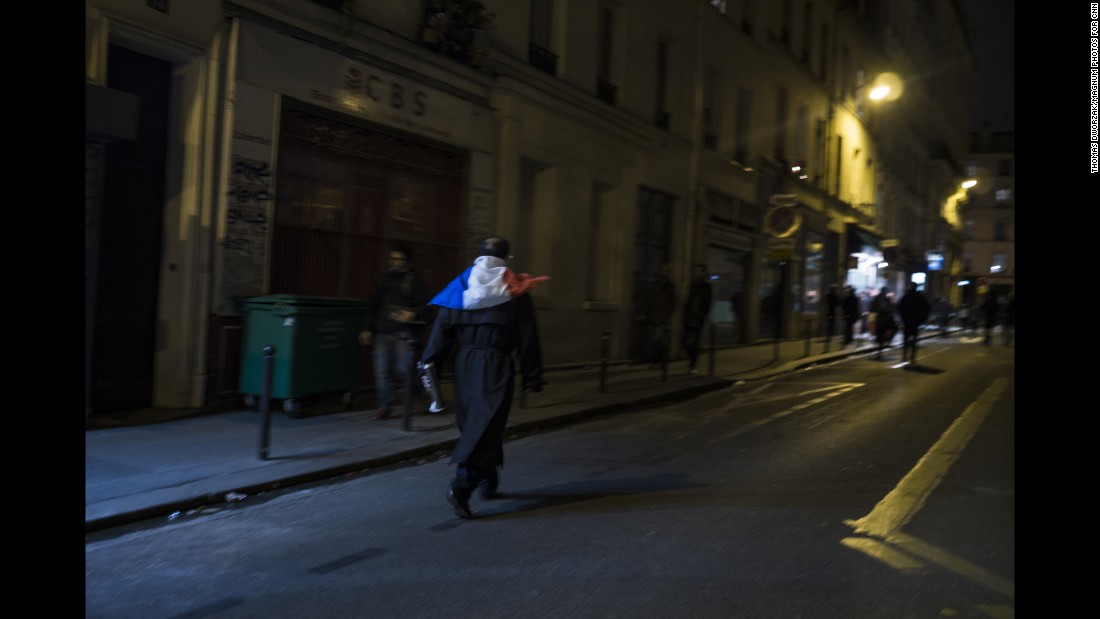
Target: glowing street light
{"type": "Point", "coordinates": [968, 183]}
{"type": "Point", "coordinates": [886, 86]}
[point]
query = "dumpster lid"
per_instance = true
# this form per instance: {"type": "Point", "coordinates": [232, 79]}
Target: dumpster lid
{"type": "Point", "coordinates": [300, 300]}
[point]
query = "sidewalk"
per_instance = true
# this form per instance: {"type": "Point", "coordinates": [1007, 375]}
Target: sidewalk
{"type": "Point", "coordinates": [136, 472]}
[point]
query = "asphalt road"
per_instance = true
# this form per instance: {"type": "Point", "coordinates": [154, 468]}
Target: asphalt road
{"type": "Point", "coordinates": [863, 488]}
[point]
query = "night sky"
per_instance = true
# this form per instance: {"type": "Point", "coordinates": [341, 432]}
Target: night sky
{"type": "Point", "coordinates": [992, 25]}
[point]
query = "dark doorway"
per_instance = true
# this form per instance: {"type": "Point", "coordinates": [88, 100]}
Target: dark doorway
{"type": "Point", "coordinates": [130, 220]}
{"type": "Point", "coordinates": [346, 193]}
{"type": "Point", "coordinates": [652, 248]}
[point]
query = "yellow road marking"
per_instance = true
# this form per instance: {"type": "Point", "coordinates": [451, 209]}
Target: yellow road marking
{"type": "Point", "coordinates": [897, 508]}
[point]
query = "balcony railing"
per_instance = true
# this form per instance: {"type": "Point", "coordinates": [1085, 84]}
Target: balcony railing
{"type": "Point", "coordinates": [541, 58]}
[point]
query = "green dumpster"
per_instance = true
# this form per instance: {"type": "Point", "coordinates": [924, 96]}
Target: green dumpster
{"type": "Point", "coordinates": [316, 344]}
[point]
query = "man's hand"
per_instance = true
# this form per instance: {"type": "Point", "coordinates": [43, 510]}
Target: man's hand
{"type": "Point", "coordinates": [364, 338]}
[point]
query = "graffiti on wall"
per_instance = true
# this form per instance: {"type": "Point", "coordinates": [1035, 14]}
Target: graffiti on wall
{"type": "Point", "coordinates": [248, 214]}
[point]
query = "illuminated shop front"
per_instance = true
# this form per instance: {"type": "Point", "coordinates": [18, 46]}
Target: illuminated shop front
{"type": "Point", "coordinates": [865, 260]}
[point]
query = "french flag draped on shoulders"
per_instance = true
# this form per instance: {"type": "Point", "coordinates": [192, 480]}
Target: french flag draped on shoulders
{"type": "Point", "coordinates": [485, 284]}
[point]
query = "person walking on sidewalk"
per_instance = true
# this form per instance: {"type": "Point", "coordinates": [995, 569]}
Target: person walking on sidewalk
{"type": "Point", "coordinates": [990, 310]}
{"type": "Point", "coordinates": [850, 307]}
{"type": "Point", "coordinates": [696, 309]}
{"type": "Point", "coordinates": [966, 324]}
{"type": "Point", "coordinates": [942, 311]}
{"type": "Point", "coordinates": [832, 306]}
{"type": "Point", "coordinates": [914, 310]}
{"type": "Point", "coordinates": [1008, 319]}
{"type": "Point", "coordinates": [885, 325]}
{"type": "Point", "coordinates": [394, 319]}
{"type": "Point", "coordinates": [865, 299]}
{"type": "Point", "coordinates": [485, 317]}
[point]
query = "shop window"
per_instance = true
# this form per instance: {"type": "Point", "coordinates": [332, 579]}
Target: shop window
{"type": "Point", "coordinates": [997, 265]}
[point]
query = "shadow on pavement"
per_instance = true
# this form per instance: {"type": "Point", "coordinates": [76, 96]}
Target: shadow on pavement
{"type": "Point", "coordinates": [923, 369]}
{"type": "Point", "coordinates": [520, 501]}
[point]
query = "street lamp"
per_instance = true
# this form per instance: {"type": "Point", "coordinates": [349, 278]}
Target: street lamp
{"type": "Point", "coordinates": [886, 86]}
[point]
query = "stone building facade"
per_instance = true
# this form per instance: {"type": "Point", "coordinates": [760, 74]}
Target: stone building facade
{"type": "Point", "coordinates": [294, 140]}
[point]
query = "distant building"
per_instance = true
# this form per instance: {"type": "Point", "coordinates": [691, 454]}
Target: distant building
{"type": "Point", "coordinates": [989, 216]}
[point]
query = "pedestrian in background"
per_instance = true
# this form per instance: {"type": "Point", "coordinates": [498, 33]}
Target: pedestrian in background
{"type": "Point", "coordinates": [965, 321]}
{"type": "Point", "coordinates": [486, 317]}
{"type": "Point", "coordinates": [914, 310]}
{"type": "Point", "coordinates": [942, 310]}
{"type": "Point", "coordinates": [832, 306]}
{"type": "Point", "coordinates": [885, 326]}
{"type": "Point", "coordinates": [849, 305]}
{"type": "Point", "coordinates": [990, 311]}
{"type": "Point", "coordinates": [660, 303]}
{"type": "Point", "coordinates": [696, 309]}
{"type": "Point", "coordinates": [737, 308]}
{"type": "Point", "coordinates": [865, 299]}
{"type": "Point", "coordinates": [394, 320]}
{"type": "Point", "coordinates": [1008, 318]}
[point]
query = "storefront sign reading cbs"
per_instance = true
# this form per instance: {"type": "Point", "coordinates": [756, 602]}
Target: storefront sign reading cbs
{"type": "Point", "coordinates": [387, 100]}
{"type": "Point", "coordinates": [390, 93]}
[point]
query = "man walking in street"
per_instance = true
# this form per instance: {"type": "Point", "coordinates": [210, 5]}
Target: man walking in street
{"type": "Point", "coordinates": [486, 316]}
{"type": "Point", "coordinates": [914, 310]}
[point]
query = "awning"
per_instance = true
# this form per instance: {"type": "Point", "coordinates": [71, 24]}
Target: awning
{"type": "Point", "coordinates": [861, 240]}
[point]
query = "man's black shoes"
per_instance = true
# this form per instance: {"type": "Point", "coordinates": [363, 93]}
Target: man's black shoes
{"type": "Point", "coordinates": [460, 501]}
{"type": "Point", "coordinates": [461, 504]}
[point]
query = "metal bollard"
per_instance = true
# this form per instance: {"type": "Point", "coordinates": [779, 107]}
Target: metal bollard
{"type": "Point", "coordinates": [265, 400]}
{"type": "Point", "coordinates": [605, 347]}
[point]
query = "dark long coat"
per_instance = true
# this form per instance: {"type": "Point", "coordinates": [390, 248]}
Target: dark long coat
{"type": "Point", "coordinates": [914, 309]}
{"type": "Point", "coordinates": [484, 343]}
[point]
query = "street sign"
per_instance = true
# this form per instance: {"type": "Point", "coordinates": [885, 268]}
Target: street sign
{"type": "Point", "coordinates": [780, 248]}
{"type": "Point", "coordinates": [782, 221]}
{"type": "Point", "coordinates": [934, 260]}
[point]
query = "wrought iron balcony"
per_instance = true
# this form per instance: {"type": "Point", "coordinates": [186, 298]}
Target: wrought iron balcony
{"type": "Point", "coordinates": [542, 59]}
{"type": "Point", "coordinates": [457, 29]}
